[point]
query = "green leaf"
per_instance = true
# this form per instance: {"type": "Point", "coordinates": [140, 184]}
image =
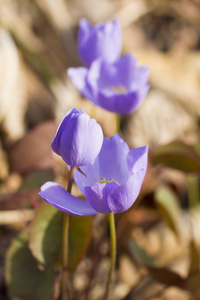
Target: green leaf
{"type": "Point", "coordinates": [80, 230]}
{"type": "Point", "coordinates": [36, 179]}
{"type": "Point", "coordinates": [168, 205]}
{"type": "Point", "coordinates": [22, 275]}
{"type": "Point", "coordinates": [178, 156]}
{"type": "Point", "coordinates": [192, 283]}
{"type": "Point", "coordinates": [140, 254]}
{"type": "Point", "coordinates": [46, 236]}
{"type": "Point", "coordinates": [193, 190]}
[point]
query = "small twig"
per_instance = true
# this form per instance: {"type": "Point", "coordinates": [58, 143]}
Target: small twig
{"type": "Point", "coordinates": [57, 284]}
{"type": "Point", "coordinates": [95, 260]}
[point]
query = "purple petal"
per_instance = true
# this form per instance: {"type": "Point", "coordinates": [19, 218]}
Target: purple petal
{"type": "Point", "coordinates": [78, 77]}
{"type": "Point", "coordinates": [126, 104]}
{"type": "Point", "coordinates": [56, 145]}
{"type": "Point", "coordinates": [92, 81]}
{"type": "Point", "coordinates": [120, 103]}
{"type": "Point", "coordinates": [85, 29]}
{"type": "Point", "coordinates": [123, 103]}
{"type": "Point", "coordinates": [131, 75]}
{"type": "Point", "coordinates": [112, 159]}
{"type": "Point", "coordinates": [122, 198]}
{"type": "Point", "coordinates": [126, 67]}
{"type": "Point", "coordinates": [97, 196]}
{"type": "Point", "coordinates": [105, 100]}
{"type": "Point", "coordinates": [108, 75]}
{"type": "Point", "coordinates": [142, 93]}
{"type": "Point", "coordinates": [137, 160]}
{"type": "Point", "coordinates": [58, 197]}
{"type": "Point", "coordinates": [92, 172]}
{"type": "Point", "coordinates": [141, 78]}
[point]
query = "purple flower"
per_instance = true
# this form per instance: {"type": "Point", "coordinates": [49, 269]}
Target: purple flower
{"type": "Point", "coordinates": [111, 183]}
{"type": "Point", "coordinates": [100, 41]}
{"type": "Point", "coordinates": [78, 139]}
{"type": "Point", "coordinates": [119, 87]}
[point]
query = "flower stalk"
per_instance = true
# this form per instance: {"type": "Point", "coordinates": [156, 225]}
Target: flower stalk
{"type": "Point", "coordinates": [65, 244]}
{"type": "Point", "coordinates": [113, 252]}
{"type": "Point", "coordinates": [118, 121]}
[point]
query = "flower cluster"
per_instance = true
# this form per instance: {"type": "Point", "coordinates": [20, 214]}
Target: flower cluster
{"type": "Point", "coordinates": [111, 183]}
{"type": "Point", "coordinates": [109, 174]}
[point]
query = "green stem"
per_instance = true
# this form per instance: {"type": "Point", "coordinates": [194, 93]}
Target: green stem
{"type": "Point", "coordinates": [94, 111]}
{"type": "Point", "coordinates": [65, 241]}
{"type": "Point", "coordinates": [112, 253]}
{"type": "Point", "coordinates": [193, 191]}
{"type": "Point", "coordinates": [118, 119]}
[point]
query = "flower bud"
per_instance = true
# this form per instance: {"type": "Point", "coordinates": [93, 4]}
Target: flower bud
{"type": "Point", "coordinates": [99, 41]}
{"type": "Point", "coordinates": [78, 139]}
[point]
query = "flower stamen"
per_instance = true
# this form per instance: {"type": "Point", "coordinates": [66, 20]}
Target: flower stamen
{"type": "Point", "coordinates": [103, 180]}
{"type": "Point", "coordinates": [120, 89]}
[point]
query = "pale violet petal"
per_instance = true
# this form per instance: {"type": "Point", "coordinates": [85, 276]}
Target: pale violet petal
{"type": "Point", "coordinates": [97, 195]}
{"type": "Point", "coordinates": [58, 197]}
{"type": "Point", "coordinates": [123, 197]}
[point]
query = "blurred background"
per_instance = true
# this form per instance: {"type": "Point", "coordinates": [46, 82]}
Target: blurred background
{"type": "Point", "coordinates": [38, 42]}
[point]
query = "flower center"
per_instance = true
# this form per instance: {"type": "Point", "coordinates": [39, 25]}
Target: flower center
{"type": "Point", "coordinates": [120, 89]}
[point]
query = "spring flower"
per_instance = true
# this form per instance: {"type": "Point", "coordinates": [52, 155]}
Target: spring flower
{"type": "Point", "coordinates": [110, 184]}
{"type": "Point", "coordinates": [119, 87]}
{"type": "Point", "coordinates": [78, 139]}
{"type": "Point", "coordinates": [99, 41]}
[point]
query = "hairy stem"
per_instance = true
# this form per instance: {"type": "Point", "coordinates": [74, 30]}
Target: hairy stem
{"type": "Point", "coordinates": [112, 253]}
{"type": "Point", "coordinates": [65, 245]}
